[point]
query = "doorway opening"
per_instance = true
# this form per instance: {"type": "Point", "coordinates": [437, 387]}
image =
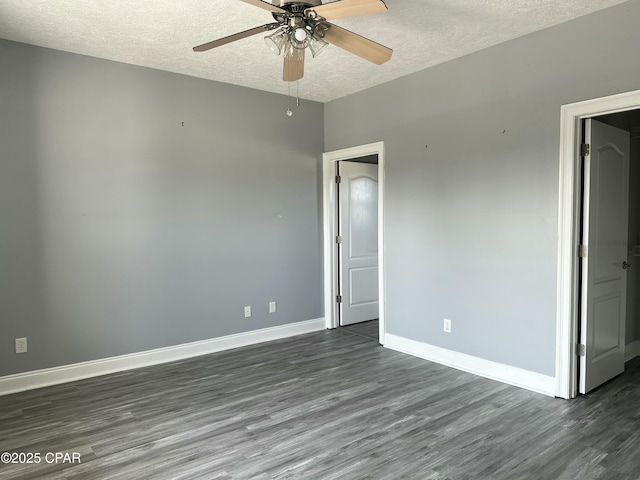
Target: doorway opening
{"type": "Point", "coordinates": [576, 305]}
{"type": "Point", "coordinates": [353, 279]}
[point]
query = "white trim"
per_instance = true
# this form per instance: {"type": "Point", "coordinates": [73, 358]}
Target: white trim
{"type": "Point", "coordinates": [78, 371]}
{"type": "Point", "coordinates": [568, 210]}
{"type": "Point", "coordinates": [329, 204]}
{"type": "Point", "coordinates": [631, 350]}
{"type": "Point", "coordinates": [518, 377]}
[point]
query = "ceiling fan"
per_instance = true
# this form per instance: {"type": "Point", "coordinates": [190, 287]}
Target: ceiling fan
{"type": "Point", "coordinates": [305, 23]}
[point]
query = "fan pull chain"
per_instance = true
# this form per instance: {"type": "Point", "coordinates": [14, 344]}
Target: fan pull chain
{"type": "Point", "coordinates": [289, 112]}
{"type": "Point", "coordinates": [297, 93]}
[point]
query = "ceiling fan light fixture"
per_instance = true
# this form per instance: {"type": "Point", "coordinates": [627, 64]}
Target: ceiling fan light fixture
{"type": "Point", "coordinates": [300, 34]}
{"type": "Point", "coordinates": [295, 36]}
{"type": "Point", "coordinates": [276, 41]}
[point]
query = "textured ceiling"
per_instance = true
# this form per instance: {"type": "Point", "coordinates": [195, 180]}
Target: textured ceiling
{"type": "Point", "coordinates": [161, 33]}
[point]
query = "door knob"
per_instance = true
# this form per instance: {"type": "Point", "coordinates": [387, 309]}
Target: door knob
{"type": "Point", "coordinates": [626, 265]}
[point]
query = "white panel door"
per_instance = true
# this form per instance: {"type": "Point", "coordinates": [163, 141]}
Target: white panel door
{"type": "Point", "coordinates": [604, 278]}
{"type": "Point", "coordinates": [358, 255]}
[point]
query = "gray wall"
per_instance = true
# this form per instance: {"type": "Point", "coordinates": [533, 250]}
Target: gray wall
{"type": "Point", "coordinates": [471, 198]}
{"type": "Point", "coordinates": [123, 230]}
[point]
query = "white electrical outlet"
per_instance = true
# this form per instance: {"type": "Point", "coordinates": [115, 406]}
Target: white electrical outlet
{"type": "Point", "coordinates": [272, 307]}
{"type": "Point", "coordinates": [247, 311]}
{"type": "Point", "coordinates": [21, 345]}
{"type": "Point", "coordinates": [447, 325]}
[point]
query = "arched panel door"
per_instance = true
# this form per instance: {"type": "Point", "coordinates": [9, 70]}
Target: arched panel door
{"type": "Point", "coordinates": [359, 248]}
{"type": "Point", "coordinates": [604, 254]}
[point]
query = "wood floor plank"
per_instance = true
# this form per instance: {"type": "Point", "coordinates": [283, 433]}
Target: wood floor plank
{"type": "Point", "coordinates": [327, 405]}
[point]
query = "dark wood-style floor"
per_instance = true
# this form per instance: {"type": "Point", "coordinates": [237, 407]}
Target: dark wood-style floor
{"type": "Point", "coordinates": [368, 329]}
{"type": "Point", "coordinates": [328, 405]}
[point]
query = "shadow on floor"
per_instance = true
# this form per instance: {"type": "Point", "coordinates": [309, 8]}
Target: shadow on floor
{"type": "Point", "coordinates": [364, 329]}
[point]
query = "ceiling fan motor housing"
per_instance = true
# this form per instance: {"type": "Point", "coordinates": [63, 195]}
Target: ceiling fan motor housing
{"type": "Point", "coordinates": [296, 7]}
{"type": "Point", "coordinates": [299, 21]}
{"type": "Point", "coordinates": [293, 9]}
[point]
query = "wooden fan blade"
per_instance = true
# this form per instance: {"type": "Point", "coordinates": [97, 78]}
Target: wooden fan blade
{"type": "Point", "coordinates": [293, 69]}
{"type": "Point", "coordinates": [236, 36]}
{"type": "Point", "coordinates": [265, 5]}
{"type": "Point", "coordinates": [360, 46]}
{"type": "Point", "coordinates": [349, 8]}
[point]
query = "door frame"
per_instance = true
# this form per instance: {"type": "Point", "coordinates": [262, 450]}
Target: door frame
{"type": "Point", "coordinates": [330, 219]}
{"type": "Point", "coordinates": [569, 209]}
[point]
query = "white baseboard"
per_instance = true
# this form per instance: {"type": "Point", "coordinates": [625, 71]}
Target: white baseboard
{"type": "Point", "coordinates": [69, 373]}
{"type": "Point", "coordinates": [631, 350]}
{"type": "Point", "coordinates": [485, 368]}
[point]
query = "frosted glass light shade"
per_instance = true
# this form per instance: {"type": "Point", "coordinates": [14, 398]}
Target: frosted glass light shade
{"type": "Point", "coordinates": [316, 45]}
{"type": "Point", "coordinates": [276, 41]}
{"type": "Point", "coordinates": [296, 35]}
